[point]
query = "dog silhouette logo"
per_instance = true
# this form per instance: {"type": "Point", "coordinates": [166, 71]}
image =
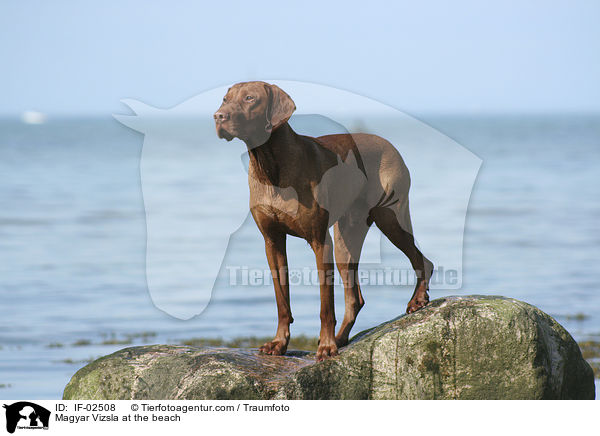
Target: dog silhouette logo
{"type": "Point", "coordinates": [26, 415]}
{"type": "Point", "coordinates": [196, 196]}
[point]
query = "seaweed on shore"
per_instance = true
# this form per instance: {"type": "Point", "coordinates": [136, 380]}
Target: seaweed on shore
{"type": "Point", "coordinates": [81, 343]}
{"type": "Point", "coordinates": [301, 342]}
{"type": "Point", "coordinates": [70, 361]}
{"type": "Point", "coordinates": [578, 317]}
{"type": "Point", "coordinates": [590, 350]}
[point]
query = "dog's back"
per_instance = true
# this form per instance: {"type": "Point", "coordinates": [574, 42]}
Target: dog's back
{"type": "Point", "coordinates": [376, 157]}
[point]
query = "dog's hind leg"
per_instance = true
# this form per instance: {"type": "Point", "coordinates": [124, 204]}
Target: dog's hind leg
{"type": "Point", "coordinates": [394, 221]}
{"type": "Point", "coordinates": [349, 235]}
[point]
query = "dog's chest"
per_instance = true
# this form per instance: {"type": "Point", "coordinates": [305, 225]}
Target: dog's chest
{"type": "Point", "coordinates": [273, 200]}
{"type": "Point", "coordinates": [286, 208]}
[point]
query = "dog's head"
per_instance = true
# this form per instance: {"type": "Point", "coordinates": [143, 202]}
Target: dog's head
{"type": "Point", "coordinates": [251, 111]}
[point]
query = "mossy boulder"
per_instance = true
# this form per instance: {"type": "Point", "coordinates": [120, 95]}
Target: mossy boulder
{"type": "Point", "coordinates": [474, 347]}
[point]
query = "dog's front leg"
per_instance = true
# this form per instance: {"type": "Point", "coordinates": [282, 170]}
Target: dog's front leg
{"type": "Point", "coordinates": [276, 255]}
{"type": "Point", "coordinates": [324, 254]}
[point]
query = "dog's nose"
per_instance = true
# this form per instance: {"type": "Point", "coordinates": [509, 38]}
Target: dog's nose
{"type": "Point", "coordinates": [221, 116]}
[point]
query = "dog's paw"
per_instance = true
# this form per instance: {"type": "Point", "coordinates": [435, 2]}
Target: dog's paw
{"type": "Point", "coordinates": [274, 348]}
{"type": "Point", "coordinates": [417, 303]}
{"type": "Point", "coordinates": [326, 350]}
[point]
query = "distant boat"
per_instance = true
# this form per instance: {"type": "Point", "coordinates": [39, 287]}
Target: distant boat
{"type": "Point", "coordinates": [33, 117]}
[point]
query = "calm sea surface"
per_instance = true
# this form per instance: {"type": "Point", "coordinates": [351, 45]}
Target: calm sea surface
{"type": "Point", "coordinates": [73, 238]}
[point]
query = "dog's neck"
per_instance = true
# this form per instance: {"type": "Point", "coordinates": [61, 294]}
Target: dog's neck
{"type": "Point", "coordinates": [268, 161]}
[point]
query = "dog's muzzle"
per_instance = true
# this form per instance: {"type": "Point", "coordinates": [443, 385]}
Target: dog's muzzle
{"type": "Point", "coordinates": [223, 134]}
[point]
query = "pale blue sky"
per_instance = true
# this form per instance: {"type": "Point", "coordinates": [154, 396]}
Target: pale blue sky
{"type": "Point", "coordinates": [420, 56]}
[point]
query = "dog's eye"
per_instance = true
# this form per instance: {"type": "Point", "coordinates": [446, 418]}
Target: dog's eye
{"type": "Point", "coordinates": [249, 98]}
{"type": "Point", "coordinates": [224, 99]}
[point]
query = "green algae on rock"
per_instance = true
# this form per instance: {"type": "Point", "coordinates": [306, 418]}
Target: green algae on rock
{"type": "Point", "coordinates": [473, 347]}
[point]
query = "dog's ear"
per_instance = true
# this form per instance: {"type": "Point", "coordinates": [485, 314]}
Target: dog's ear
{"type": "Point", "coordinates": [280, 108]}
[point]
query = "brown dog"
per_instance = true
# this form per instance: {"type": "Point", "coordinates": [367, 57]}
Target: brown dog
{"type": "Point", "coordinates": [301, 186]}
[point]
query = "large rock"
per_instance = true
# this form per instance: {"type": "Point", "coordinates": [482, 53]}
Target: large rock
{"type": "Point", "coordinates": [476, 347]}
